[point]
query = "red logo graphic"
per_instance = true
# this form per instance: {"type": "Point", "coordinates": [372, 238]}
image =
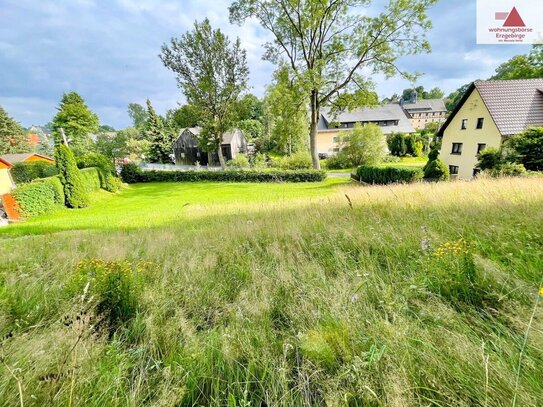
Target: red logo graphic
{"type": "Point", "coordinates": [512, 19]}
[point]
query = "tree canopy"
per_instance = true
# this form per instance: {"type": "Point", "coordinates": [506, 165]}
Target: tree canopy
{"type": "Point", "coordinates": [12, 136]}
{"type": "Point", "coordinates": [212, 73]}
{"type": "Point", "coordinates": [329, 45]}
{"type": "Point", "coordinates": [77, 120]}
{"type": "Point", "coordinates": [522, 66]}
{"type": "Point", "coordinates": [139, 115]}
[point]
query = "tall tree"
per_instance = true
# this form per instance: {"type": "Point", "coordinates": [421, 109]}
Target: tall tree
{"type": "Point", "coordinates": [250, 108]}
{"type": "Point", "coordinates": [522, 66]}
{"type": "Point", "coordinates": [12, 136]}
{"type": "Point", "coordinates": [286, 114]}
{"type": "Point", "coordinates": [139, 115]}
{"type": "Point", "coordinates": [455, 97]}
{"type": "Point", "coordinates": [186, 116]}
{"type": "Point", "coordinates": [329, 44]}
{"type": "Point", "coordinates": [77, 120]}
{"type": "Point", "coordinates": [160, 139]}
{"type": "Point", "coordinates": [212, 72]}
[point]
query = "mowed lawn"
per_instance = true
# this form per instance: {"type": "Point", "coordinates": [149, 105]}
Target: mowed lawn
{"type": "Point", "coordinates": [327, 294]}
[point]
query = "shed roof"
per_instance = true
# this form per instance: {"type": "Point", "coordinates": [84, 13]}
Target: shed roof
{"type": "Point", "coordinates": [514, 105]}
{"type": "Point", "coordinates": [20, 158]}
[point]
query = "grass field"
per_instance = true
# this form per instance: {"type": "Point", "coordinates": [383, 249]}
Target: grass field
{"type": "Point", "coordinates": [278, 295]}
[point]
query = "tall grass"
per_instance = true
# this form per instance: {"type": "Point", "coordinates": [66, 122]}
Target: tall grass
{"type": "Point", "coordinates": [286, 302]}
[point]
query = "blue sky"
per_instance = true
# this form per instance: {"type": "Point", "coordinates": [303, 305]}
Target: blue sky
{"type": "Point", "coordinates": [107, 50]}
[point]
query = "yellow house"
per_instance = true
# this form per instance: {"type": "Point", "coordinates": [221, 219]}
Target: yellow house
{"type": "Point", "coordinates": [489, 113]}
{"type": "Point", "coordinates": [390, 117]}
{"type": "Point", "coordinates": [6, 183]}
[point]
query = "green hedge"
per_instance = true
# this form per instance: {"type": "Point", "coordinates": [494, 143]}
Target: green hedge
{"type": "Point", "coordinates": [26, 172]}
{"type": "Point", "coordinates": [132, 174]}
{"type": "Point", "coordinates": [92, 179]}
{"type": "Point", "coordinates": [39, 197]}
{"type": "Point", "coordinates": [389, 175]}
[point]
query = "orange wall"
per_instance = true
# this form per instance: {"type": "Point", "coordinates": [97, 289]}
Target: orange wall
{"type": "Point", "coordinates": [38, 158]}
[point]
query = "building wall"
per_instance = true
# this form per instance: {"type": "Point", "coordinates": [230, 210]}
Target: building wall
{"type": "Point", "coordinates": [327, 142]}
{"type": "Point", "coordinates": [6, 183]}
{"type": "Point", "coordinates": [472, 110]}
{"type": "Point", "coordinates": [420, 120]}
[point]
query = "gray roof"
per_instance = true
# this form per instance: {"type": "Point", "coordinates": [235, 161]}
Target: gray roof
{"type": "Point", "coordinates": [433, 105]}
{"type": "Point", "coordinates": [388, 112]}
{"type": "Point", "coordinates": [19, 158]}
{"type": "Point", "coordinates": [226, 139]}
{"type": "Point", "coordinates": [514, 105]}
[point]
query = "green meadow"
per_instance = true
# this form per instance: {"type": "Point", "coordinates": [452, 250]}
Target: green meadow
{"type": "Point", "coordinates": [278, 295]}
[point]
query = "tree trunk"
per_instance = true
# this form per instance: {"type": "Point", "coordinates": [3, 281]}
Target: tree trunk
{"type": "Point", "coordinates": [313, 130]}
{"type": "Point", "coordinates": [221, 158]}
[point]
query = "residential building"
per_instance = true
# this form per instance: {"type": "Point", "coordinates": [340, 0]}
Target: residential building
{"type": "Point", "coordinates": [390, 117]}
{"type": "Point", "coordinates": [422, 112]}
{"type": "Point", "coordinates": [26, 157]}
{"type": "Point", "coordinates": [187, 150]}
{"type": "Point", "coordinates": [489, 113]}
{"type": "Point", "coordinates": [6, 182]}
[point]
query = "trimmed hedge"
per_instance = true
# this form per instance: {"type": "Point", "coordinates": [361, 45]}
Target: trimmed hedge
{"type": "Point", "coordinates": [26, 172]}
{"type": "Point", "coordinates": [131, 173]}
{"type": "Point", "coordinates": [39, 197]}
{"type": "Point", "coordinates": [92, 179]}
{"type": "Point", "coordinates": [388, 175]}
{"type": "Point", "coordinates": [70, 176]}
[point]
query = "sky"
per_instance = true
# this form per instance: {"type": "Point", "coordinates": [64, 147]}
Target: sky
{"type": "Point", "coordinates": [107, 50]}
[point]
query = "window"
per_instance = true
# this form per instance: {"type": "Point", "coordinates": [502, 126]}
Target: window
{"type": "Point", "coordinates": [480, 122]}
{"type": "Point", "coordinates": [464, 124]}
{"type": "Point", "coordinates": [453, 169]}
{"type": "Point", "coordinates": [480, 148]}
{"type": "Point", "coordinates": [456, 148]}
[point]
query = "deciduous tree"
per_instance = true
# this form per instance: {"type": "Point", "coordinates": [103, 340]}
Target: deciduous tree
{"type": "Point", "coordinates": [213, 73]}
{"type": "Point", "coordinates": [12, 136]}
{"type": "Point", "coordinates": [330, 44]}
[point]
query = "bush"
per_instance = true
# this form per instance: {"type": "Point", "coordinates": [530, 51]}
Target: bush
{"type": "Point", "coordinates": [69, 175]}
{"type": "Point", "coordinates": [39, 197]}
{"type": "Point", "coordinates": [112, 183]}
{"type": "Point", "coordinates": [96, 160]}
{"type": "Point", "coordinates": [397, 144]}
{"type": "Point", "coordinates": [436, 170]}
{"type": "Point", "coordinates": [364, 145]}
{"type": "Point", "coordinates": [507, 170]}
{"type": "Point", "coordinates": [528, 148]}
{"type": "Point", "coordinates": [490, 158]}
{"type": "Point", "coordinates": [297, 161]}
{"type": "Point", "coordinates": [338, 162]}
{"type": "Point", "coordinates": [92, 179]}
{"type": "Point", "coordinates": [26, 172]}
{"type": "Point", "coordinates": [391, 159]}
{"type": "Point", "coordinates": [388, 175]}
{"type": "Point", "coordinates": [239, 163]}
{"type": "Point", "coordinates": [132, 174]}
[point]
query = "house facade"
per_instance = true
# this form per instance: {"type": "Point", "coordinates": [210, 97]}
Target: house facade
{"type": "Point", "coordinates": [489, 113]}
{"type": "Point", "coordinates": [187, 151]}
{"type": "Point", "coordinates": [423, 112]}
{"type": "Point", "coordinates": [6, 182]}
{"type": "Point", "coordinates": [390, 117]}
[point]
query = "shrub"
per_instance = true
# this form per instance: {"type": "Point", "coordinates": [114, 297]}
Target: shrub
{"type": "Point", "coordinates": [96, 160]}
{"type": "Point", "coordinates": [132, 174]}
{"type": "Point", "coordinates": [240, 162]}
{"type": "Point", "coordinates": [364, 145]}
{"type": "Point", "coordinates": [436, 170]}
{"type": "Point", "coordinates": [338, 162]}
{"type": "Point", "coordinates": [388, 175]}
{"type": "Point", "coordinates": [112, 183]}
{"type": "Point", "coordinates": [490, 158]}
{"type": "Point", "coordinates": [92, 179]}
{"type": "Point", "coordinates": [297, 161]}
{"type": "Point", "coordinates": [507, 170]}
{"type": "Point", "coordinates": [39, 197]}
{"type": "Point", "coordinates": [397, 144]}
{"type": "Point", "coordinates": [69, 175]}
{"type": "Point", "coordinates": [26, 172]}
{"type": "Point", "coordinates": [528, 148]}
{"type": "Point", "coordinates": [417, 149]}
{"type": "Point", "coordinates": [391, 159]}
